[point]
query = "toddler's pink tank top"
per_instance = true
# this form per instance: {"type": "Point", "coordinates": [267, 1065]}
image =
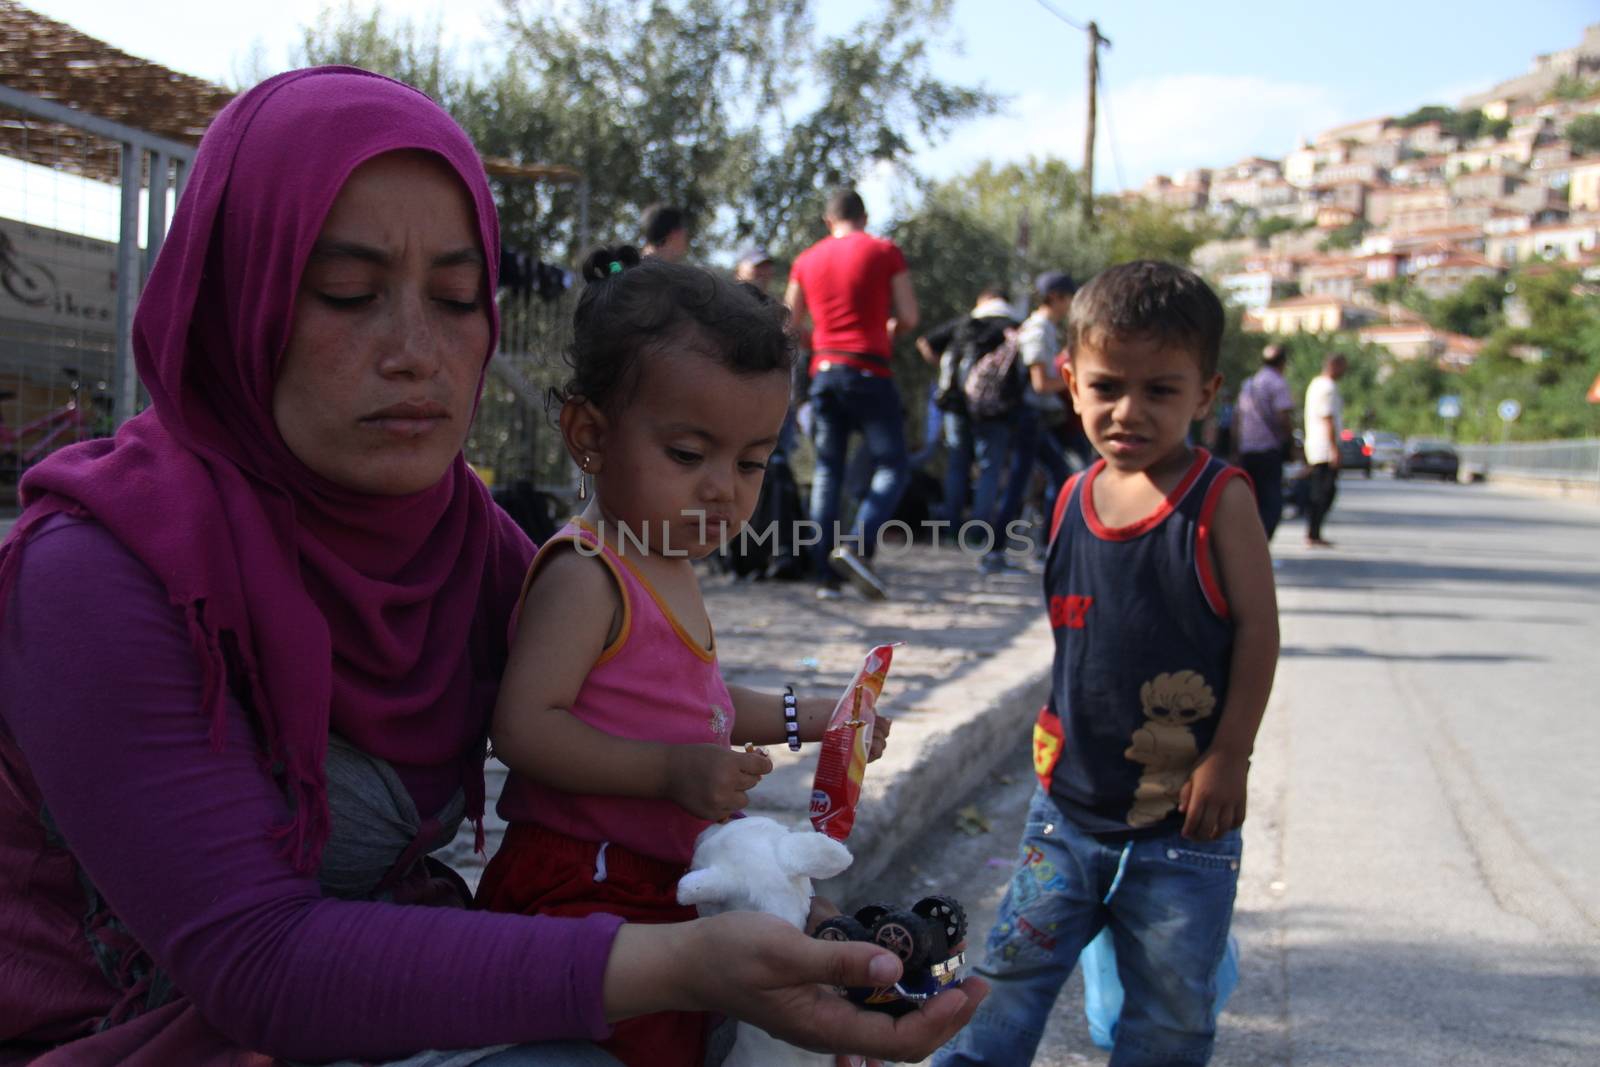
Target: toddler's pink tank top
{"type": "Point", "coordinates": [654, 682]}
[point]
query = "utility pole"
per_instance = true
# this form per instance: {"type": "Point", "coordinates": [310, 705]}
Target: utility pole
{"type": "Point", "coordinates": [1095, 41]}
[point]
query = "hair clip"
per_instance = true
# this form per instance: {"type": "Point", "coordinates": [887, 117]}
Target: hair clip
{"type": "Point", "coordinates": [616, 267]}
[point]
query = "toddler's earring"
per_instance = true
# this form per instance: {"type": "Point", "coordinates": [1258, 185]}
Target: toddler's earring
{"type": "Point", "coordinates": [583, 478]}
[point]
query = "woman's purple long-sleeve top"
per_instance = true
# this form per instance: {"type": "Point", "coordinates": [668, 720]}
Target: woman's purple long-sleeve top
{"type": "Point", "coordinates": [101, 693]}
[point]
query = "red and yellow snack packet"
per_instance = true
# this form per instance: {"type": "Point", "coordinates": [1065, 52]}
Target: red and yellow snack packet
{"type": "Point", "coordinates": [845, 744]}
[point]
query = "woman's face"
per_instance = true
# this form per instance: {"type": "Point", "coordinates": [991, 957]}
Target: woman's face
{"type": "Point", "coordinates": [376, 387]}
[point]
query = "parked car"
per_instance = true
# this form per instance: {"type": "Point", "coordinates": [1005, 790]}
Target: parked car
{"type": "Point", "coordinates": [1428, 456]}
{"type": "Point", "coordinates": [1354, 453]}
{"type": "Point", "coordinates": [1386, 447]}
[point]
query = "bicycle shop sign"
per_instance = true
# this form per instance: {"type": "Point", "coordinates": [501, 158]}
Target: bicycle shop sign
{"type": "Point", "coordinates": [57, 279]}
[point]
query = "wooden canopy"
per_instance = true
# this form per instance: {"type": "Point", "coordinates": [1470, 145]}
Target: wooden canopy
{"type": "Point", "coordinates": [53, 61]}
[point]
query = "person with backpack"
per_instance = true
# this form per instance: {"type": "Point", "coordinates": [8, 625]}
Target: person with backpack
{"type": "Point", "coordinates": [1040, 414]}
{"type": "Point", "coordinates": [955, 347]}
{"type": "Point", "coordinates": [993, 385]}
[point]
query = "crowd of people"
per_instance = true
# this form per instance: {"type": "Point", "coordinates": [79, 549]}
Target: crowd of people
{"type": "Point", "coordinates": [308, 620]}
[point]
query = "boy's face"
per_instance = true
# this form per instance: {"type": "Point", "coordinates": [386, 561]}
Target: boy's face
{"type": "Point", "coordinates": [1137, 397]}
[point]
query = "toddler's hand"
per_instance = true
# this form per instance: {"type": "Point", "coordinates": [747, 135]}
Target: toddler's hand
{"type": "Point", "coordinates": [711, 782]}
{"type": "Point", "coordinates": [880, 737]}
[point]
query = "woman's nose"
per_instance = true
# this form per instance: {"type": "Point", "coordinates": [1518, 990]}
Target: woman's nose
{"type": "Point", "coordinates": [411, 345]}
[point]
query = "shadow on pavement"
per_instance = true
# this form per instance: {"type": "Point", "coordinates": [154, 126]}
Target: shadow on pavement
{"type": "Point", "coordinates": [1354, 652]}
{"type": "Point", "coordinates": [1453, 523]}
{"type": "Point", "coordinates": [1360, 1002]}
{"type": "Point", "coordinates": [1348, 572]}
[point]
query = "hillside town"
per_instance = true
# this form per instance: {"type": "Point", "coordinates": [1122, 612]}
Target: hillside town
{"type": "Point", "coordinates": [1326, 238]}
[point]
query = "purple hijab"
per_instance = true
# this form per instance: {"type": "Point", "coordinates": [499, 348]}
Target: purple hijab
{"type": "Point", "coordinates": [380, 618]}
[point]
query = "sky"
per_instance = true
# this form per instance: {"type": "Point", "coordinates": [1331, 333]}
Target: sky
{"type": "Point", "coordinates": [1185, 84]}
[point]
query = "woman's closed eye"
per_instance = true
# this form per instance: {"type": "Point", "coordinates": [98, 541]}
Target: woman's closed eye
{"type": "Point", "coordinates": [753, 466]}
{"type": "Point", "coordinates": [684, 456]}
{"type": "Point", "coordinates": [347, 302]}
{"type": "Point", "coordinates": [463, 307]}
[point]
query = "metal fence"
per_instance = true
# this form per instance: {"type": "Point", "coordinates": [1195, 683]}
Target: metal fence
{"type": "Point", "coordinates": [84, 204]}
{"type": "Point", "coordinates": [1556, 461]}
{"type": "Point", "coordinates": [514, 437]}
{"type": "Point", "coordinates": [84, 207]}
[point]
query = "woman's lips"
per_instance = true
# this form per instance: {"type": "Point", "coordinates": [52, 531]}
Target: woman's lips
{"type": "Point", "coordinates": [408, 419]}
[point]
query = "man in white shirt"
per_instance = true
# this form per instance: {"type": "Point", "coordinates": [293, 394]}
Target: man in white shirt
{"type": "Point", "coordinates": [1323, 421]}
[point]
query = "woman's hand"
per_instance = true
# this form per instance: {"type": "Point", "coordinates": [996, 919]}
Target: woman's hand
{"type": "Point", "coordinates": [760, 970]}
{"type": "Point", "coordinates": [712, 782]}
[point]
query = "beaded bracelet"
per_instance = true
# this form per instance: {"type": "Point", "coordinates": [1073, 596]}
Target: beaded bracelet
{"type": "Point", "coordinates": [791, 721]}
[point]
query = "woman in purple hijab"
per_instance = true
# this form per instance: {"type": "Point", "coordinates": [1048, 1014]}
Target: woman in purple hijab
{"type": "Point", "coordinates": [249, 646]}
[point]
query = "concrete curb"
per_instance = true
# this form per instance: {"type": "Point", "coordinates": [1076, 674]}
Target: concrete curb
{"type": "Point", "coordinates": [931, 767]}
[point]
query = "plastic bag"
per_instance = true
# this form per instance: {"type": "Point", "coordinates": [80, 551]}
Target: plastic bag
{"type": "Point", "coordinates": [1102, 989]}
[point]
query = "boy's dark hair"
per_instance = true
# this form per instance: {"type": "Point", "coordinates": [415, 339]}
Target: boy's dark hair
{"type": "Point", "coordinates": [661, 221]}
{"type": "Point", "coordinates": [994, 291]}
{"type": "Point", "coordinates": [1275, 355]}
{"type": "Point", "coordinates": [846, 205]}
{"type": "Point", "coordinates": [631, 306]}
{"type": "Point", "coordinates": [1148, 299]}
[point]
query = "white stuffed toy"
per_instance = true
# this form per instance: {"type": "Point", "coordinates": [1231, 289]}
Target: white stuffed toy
{"type": "Point", "coordinates": [757, 864]}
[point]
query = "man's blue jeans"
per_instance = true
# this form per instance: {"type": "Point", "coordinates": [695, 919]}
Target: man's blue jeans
{"type": "Point", "coordinates": [845, 401]}
{"type": "Point", "coordinates": [994, 441]}
{"type": "Point", "coordinates": [1057, 469]}
{"type": "Point", "coordinates": [957, 467]}
{"type": "Point", "coordinates": [1168, 902]}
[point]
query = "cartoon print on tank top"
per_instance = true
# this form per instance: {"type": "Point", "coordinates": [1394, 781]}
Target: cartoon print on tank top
{"type": "Point", "coordinates": [718, 723]}
{"type": "Point", "coordinates": [1165, 744]}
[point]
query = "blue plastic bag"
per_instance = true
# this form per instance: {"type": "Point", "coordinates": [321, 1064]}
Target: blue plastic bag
{"type": "Point", "coordinates": [1102, 989]}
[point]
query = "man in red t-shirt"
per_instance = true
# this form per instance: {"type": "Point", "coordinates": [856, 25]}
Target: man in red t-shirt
{"type": "Point", "coordinates": [854, 293]}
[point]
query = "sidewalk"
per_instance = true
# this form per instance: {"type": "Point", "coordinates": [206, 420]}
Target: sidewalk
{"type": "Point", "coordinates": [965, 684]}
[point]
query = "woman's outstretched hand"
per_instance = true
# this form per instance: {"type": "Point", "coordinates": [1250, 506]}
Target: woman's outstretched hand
{"type": "Point", "coordinates": [759, 969]}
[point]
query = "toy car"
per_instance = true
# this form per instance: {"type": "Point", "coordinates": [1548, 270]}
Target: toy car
{"type": "Point", "coordinates": [928, 938]}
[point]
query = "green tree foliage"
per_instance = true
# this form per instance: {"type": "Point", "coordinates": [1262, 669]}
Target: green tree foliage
{"type": "Point", "coordinates": [1271, 226]}
{"type": "Point", "coordinates": [1347, 236]}
{"type": "Point", "coordinates": [692, 102]}
{"type": "Point", "coordinates": [1474, 310]}
{"type": "Point", "coordinates": [1546, 366]}
{"type": "Point", "coordinates": [1467, 125]}
{"type": "Point", "coordinates": [1011, 222]}
{"type": "Point", "coordinates": [1584, 133]}
{"type": "Point", "coordinates": [1572, 87]}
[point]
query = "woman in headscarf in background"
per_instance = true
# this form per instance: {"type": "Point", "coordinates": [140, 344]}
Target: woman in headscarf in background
{"type": "Point", "coordinates": [249, 647]}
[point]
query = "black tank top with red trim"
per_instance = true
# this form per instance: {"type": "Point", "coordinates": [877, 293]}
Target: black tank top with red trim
{"type": "Point", "coordinates": [1143, 642]}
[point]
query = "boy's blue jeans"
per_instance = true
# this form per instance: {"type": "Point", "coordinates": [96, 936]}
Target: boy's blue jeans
{"type": "Point", "coordinates": [1169, 904]}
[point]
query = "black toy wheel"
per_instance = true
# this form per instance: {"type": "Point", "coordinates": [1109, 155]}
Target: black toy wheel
{"type": "Point", "coordinates": [869, 914]}
{"type": "Point", "coordinates": [841, 928]}
{"type": "Point", "coordinates": [907, 935]}
{"type": "Point", "coordinates": [947, 914]}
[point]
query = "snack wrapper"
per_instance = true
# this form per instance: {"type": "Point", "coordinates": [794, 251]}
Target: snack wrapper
{"type": "Point", "coordinates": [845, 744]}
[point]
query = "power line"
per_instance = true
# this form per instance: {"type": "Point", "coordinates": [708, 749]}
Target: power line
{"type": "Point", "coordinates": [1063, 16]}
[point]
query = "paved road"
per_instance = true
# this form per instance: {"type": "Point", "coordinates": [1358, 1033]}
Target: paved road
{"type": "Point", "coordinates": [1422, 864]}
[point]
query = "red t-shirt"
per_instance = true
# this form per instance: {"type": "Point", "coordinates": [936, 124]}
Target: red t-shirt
{"type": "Point", "coordinates": [846, 285]}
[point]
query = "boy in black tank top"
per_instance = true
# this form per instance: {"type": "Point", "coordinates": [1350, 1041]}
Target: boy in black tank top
{"type": "Point", "coordinates": [1159, 588]}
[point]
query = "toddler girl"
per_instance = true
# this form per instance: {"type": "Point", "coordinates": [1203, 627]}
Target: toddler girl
{"type": "Point", "coordinates": [613, 715]}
